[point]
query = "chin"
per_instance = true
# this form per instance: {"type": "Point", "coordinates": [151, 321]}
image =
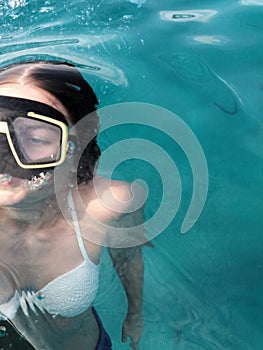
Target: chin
{"type": "Point", "coordinates": [11, 195]}
{"type": "Point", "coordinates": [22, 194]}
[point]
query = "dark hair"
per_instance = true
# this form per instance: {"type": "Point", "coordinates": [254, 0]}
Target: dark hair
{"type": "Point", "coordinates": [63, 81]}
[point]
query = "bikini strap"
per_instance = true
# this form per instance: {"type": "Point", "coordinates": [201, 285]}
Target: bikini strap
{"type": "Point", "coordinates": [77, 227]}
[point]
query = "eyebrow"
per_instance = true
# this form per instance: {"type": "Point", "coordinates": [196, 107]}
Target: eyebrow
{"type": "Point", "coordinates": [38, 127]}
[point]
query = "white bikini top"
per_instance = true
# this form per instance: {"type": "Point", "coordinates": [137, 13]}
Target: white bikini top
{"type": "Point", "coordinates": [67, 295]}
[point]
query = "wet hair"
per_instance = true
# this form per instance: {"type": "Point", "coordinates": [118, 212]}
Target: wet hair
{"type": "Point", "coordinates": [63, 81]}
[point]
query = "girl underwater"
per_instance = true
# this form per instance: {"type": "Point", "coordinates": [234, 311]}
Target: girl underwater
{"type": "Point", "coordinates": [49, 270]}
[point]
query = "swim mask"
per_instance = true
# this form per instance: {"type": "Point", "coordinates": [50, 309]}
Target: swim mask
{"type": "Point", "coordinates": [33, 137]}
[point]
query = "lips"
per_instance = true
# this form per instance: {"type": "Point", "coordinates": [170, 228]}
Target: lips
{"type": "Point", "coordinates": [8, 180]}
{"type": "Point", "coordinates": [35, 183]}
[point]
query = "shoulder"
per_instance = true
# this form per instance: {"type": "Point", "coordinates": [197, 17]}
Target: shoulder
{"type": "Point", "coordinates": [109, 199]}
{"type": "Point", "coordinates": [117, 209]}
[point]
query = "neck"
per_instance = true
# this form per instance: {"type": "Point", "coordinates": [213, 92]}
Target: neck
{"type": "Point", "coordinates": [40, 213]}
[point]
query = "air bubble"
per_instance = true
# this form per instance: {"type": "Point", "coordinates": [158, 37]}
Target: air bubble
{"type": "Point", "coordinates": [3, 331]}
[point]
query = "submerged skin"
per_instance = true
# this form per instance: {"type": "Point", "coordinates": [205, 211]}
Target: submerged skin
{"type": "Point", "coordinates": [35, 238]}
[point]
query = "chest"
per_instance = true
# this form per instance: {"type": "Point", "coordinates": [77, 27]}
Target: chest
{"type": "Point", "coordinates": [33, 257]}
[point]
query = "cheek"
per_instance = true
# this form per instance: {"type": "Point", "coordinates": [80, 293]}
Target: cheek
{"type": "Point", "coordinates": [8, 164]}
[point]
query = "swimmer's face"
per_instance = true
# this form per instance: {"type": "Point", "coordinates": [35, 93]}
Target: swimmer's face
{"type": "Point", "coordinates": [14, 189]}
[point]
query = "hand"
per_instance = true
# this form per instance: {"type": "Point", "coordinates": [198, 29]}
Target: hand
{"type": "Point", "coordinates": [132, 327]}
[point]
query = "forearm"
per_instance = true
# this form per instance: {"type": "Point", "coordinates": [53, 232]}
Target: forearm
{"type": "Point", "coordinates": [128, 263]}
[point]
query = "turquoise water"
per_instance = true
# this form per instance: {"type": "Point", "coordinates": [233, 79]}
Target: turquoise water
{"type": "Point", "coordinates": [203, 61]}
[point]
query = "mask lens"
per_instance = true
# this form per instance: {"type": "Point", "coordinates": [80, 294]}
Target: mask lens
{"type": "Point", "coordinates": [38, 141]}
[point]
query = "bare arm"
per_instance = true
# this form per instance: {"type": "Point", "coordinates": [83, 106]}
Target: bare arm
{"type": "Point", "coordinates": [128, 263]}
{"type": "Point", "coordinates": [125, 238]}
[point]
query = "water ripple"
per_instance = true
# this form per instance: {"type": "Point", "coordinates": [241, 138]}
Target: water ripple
{"type": "Point", "coordinates": [188, 15]}
{"type": "Point", "coordinates": [251, 2]}
{"type": "Point", "coordinates": [194, 70]}
{"type": "Point", "coordinates": [25, 46]}
{"type": "Point", "coordinates": [85, 52]}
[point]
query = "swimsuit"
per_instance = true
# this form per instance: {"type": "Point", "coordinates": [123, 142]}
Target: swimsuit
{"type": "Point", "coordinates": [67, 295]}
{"type": "Point", "coordinates": [15, 341]}
{"type": "Point", "coordinates": [104, 342]}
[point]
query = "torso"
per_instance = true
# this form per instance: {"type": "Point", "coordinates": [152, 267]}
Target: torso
{"type": "Point", "coordinates": [34, 252]}
{"type": "Point", "coordinates": [37, 256]}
